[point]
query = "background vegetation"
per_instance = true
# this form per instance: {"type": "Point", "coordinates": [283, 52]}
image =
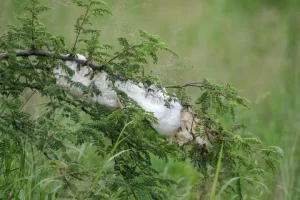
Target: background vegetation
{"type": "Point", "coordinates": [253, 44]}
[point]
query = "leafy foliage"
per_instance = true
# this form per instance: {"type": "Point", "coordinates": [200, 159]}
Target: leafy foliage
{"type": "Point", "coordinates": [34, 151]}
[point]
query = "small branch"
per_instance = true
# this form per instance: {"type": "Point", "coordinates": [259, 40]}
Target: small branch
{"type": "Point", "coordinates": [32, 26]}
{"type": "Point", "coordinates": [34, 92]}
{"type": "Point", "coordinates": [81, 26]}
{"type": "Point", "coordinates": [42, 53]}
{"type": "Point", "coordinates": [119, 54]}
{"type": "Point", "coordinates": [193, 84]}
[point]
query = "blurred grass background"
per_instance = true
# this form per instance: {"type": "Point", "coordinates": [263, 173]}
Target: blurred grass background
{"type": "Point", "coordinates": [253, 44]}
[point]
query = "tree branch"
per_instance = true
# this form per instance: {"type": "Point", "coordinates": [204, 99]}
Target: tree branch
{"type": "Point", "coordinates": [121, 53]}
{"type": "Point", "coordinates": [81, 26]}
{"type": "Point", "coordinates": [193, 84]}
{"type": "Point", "coordinates": [42, 53]}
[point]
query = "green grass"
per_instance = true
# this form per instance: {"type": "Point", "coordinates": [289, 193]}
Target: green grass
{"type": "Point", "coordinates": [214, 186]}
{"type": "Point", "coordinates": [253, 44]}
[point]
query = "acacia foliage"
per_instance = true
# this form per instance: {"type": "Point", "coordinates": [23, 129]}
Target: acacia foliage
{"type": "Point", "coordinates": [34, 151]}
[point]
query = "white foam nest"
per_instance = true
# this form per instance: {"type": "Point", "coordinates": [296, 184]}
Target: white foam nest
{"type": "Point", "coordinates": [170, 119]}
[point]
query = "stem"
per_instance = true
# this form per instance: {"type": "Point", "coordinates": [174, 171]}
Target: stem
{"type": "Point", "coordinates": [214, 186]}
{"type": "Point", "coordinates": [33, 171]}
{"type": "Point", "coordinates": [193, 84]}
{"type": "Point", "coordinates": [111, 152]}
{"type": "Point", "coordinates": [119, 54]}
{"type": "Point", "coordinates": [28, 99]}
{"type": "Point", "coordinates": [32, 26]}
{"type": "Point", "coordinates": [100, 170]}
{"type": "Point", "coordinates": [81, 26]}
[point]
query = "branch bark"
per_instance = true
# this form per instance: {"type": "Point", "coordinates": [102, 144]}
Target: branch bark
{"type": "Point", "coordinates": [42, 53]}
{"type": "Point", "coordinates": [67, 57]}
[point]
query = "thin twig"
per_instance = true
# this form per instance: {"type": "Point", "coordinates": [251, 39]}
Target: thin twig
{"type": "Point", "coordinates": [28, 99]}
{"type": "Point", "coordinates": [32, 27]}
{"type": "Point", "coordinates": [81, 26]}
{"type": "Point", "coordinates": [192, 84]}
{"type": "Point", "coordinates": [119, 54]}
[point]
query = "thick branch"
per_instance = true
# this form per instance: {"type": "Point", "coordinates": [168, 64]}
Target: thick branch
{"type": "Point", "coordinates": [63, 57]}
{"type": "Point", "coordinates": [66, 57]}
